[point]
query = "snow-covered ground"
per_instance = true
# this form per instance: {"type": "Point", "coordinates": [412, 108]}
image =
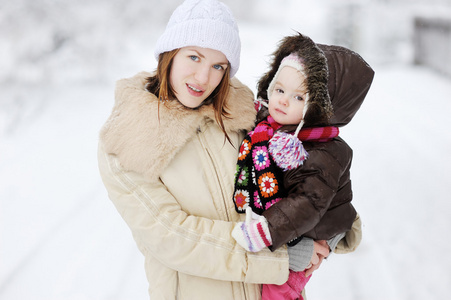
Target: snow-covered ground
{"type": "Point", "coordinates": [62, 239]}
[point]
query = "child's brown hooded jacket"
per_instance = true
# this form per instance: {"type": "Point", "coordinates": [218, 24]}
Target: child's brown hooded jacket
{"type": "Point", "coordinates": [319, 201]}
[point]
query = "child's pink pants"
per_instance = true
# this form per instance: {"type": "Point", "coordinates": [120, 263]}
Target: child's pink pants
{"type": "Point", "coordinates": [290, 290]}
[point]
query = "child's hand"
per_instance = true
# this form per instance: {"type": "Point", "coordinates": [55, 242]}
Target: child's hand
{"type": "Point", "coordinates": [253, 234]}
{"type": "Point", "coordinates": [321, 251]}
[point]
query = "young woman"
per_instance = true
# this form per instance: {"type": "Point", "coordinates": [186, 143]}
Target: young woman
{"type": "Point", "coordinates": [167, 157]}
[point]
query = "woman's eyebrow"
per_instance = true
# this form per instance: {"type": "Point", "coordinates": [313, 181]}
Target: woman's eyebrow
{"type": "Point", "coordinates": [198, 53]}
{"type": "Point", "coordinates": [203, 56]}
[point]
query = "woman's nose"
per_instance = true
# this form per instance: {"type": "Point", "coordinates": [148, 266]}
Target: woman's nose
{"type": "Point", "coordinates": [202, 74]}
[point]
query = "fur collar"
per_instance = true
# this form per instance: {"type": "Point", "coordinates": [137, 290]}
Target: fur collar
{"type": "Point", "coordinates": [145, 140]}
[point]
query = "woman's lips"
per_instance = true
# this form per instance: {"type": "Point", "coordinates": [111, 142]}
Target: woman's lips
{"type": "Point", "coordinates": [195, 91]}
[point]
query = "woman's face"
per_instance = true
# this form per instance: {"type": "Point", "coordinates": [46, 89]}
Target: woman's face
{"type": "Point", "coordinates": [195, 74]}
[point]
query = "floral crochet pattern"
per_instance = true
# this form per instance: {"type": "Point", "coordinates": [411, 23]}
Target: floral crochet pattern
{"type": "Point", "coordinates": [242, 176]}
{"type": "Point", "coordinates": [256, 185]}
{"type": "Point", "coordinates": [268, 184]}
{"type": "Point", "coordinates": [271, 203]}
{"type": "Point", "coordinates": [241, 198]}
{"type": "Point", "coordinates": [244, 149]}
{"type": "Point", "coordinates": [257, 200]}
{"type": "Point", "coordinates": [254, 179]}
{"type": "Point", "coordinates": [261, 158]}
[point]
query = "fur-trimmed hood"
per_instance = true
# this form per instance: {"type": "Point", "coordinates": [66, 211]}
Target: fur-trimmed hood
{"type": "Point", "coordinates": [348, 80]}
{"type": "Point", "coordinates": [146, 136]}
{"type": "Point", "coordinates": [315, 68]}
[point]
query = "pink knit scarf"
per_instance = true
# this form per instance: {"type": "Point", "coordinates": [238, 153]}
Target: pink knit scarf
{"type": "Point", "coordinates": [288, 151]}
{"type": "Point", "coordinates": [315, 134]}
{"type": "Point", "coordinates": [318, 134]}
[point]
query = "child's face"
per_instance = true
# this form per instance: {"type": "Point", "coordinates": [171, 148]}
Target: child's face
{"type": "Point", "coordinates": [286, 102]}
{"type": "Point", "coordinates": [195, 74]}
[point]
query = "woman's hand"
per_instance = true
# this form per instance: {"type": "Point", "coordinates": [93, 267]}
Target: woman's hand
{"type": "Point", "coordinates": [321, 251]}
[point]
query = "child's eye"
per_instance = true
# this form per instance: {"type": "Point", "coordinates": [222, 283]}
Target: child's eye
{"type": "Point", "coordinates": [194, 58]}
{"type": "Point", "coordinates": [280, 91]}
{"type": "Point", "coordinates": [299, 98]}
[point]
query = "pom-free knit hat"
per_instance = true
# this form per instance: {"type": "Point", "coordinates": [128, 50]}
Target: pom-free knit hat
{"type": "Point", "coordinates": [206, 24]}
{"type": "Point", "coordinates": [295, 62]}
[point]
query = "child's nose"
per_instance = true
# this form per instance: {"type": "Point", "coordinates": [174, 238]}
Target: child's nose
{"type": "Point", "coordinates": [284, 100]}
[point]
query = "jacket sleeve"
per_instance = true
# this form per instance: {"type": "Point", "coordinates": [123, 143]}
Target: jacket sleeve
{"type": "Point", "coordinates": [311, 189]}
{"type": "Point", "coordinates": [185, 243]}
{"type": "Point", "coordinates": [352, 238]}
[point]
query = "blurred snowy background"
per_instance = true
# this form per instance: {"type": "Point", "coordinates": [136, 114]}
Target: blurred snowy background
{"type": "Point", "coordinates": [60, 236]}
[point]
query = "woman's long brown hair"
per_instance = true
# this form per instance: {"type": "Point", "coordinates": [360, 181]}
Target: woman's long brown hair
{"type": "Point", "coordinates": [160, 86]}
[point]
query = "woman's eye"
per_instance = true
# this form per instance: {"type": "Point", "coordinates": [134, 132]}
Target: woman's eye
{"type": "Point", "coordinates": [218, 67]}
{"type": "Point", "coordinates": [194, 57]}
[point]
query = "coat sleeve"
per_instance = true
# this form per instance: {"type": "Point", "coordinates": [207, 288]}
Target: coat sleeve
{"type": "Point", "coordinates": [311, 189]}
{"type": "Point", "coordinates": [185, 243]}
{"type": "Point", "coordinates": [352, 238]}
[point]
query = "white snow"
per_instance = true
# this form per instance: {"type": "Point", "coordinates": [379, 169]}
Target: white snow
{"type": "Point", "coordinates": [62, 239]}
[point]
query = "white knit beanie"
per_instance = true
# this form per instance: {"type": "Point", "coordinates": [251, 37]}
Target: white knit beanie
{"type": "Point", "coordinates": [206, 24]}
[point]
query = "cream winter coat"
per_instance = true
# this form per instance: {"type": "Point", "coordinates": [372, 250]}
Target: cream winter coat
{"type": "Point", "coordinates": [170, 175]}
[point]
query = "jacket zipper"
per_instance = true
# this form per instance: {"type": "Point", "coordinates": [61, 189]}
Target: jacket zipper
{"type": "Point", "coordinates": [204, 144]}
